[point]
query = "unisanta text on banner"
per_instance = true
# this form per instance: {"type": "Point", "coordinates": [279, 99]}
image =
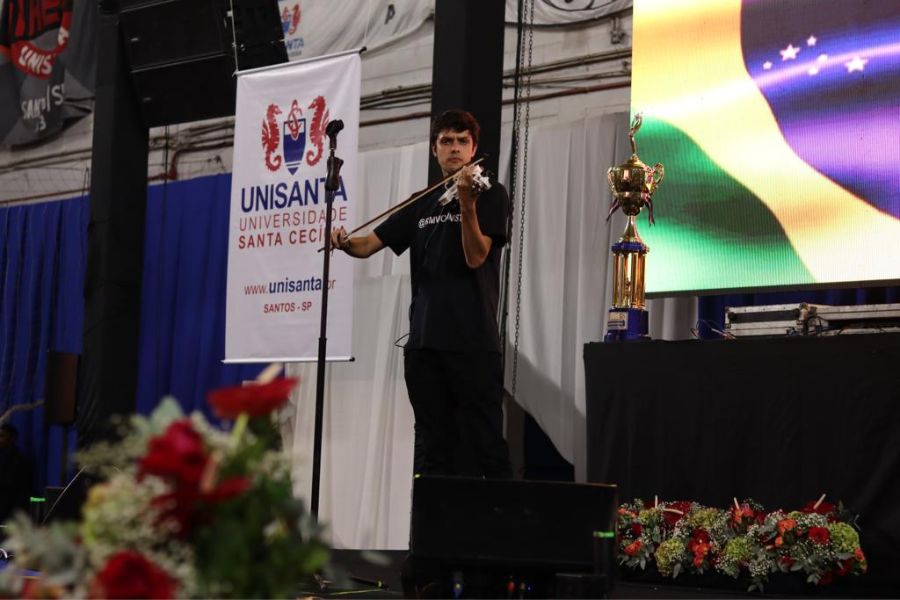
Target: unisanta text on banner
{"type": "Point", "coordinates": [278, 211]}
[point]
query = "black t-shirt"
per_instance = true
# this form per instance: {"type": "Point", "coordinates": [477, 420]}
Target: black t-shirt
{"type": "Point", "coordinates": [453, 307]}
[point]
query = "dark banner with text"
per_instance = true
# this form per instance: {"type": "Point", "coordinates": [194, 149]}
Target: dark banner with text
{"type": "Point", "coordinates": [47, 66]}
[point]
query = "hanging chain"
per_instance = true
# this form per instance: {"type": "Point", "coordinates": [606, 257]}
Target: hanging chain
{"type": "Point", "coordinates": [234, 44]}
{"type": "Point", "coordinates": [528, 32]}
{"type": "Point", "coordinates": [503, 309]}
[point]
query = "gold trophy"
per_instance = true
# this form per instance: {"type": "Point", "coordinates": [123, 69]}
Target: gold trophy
{"type": "Point", "coordinates": [632, 184]}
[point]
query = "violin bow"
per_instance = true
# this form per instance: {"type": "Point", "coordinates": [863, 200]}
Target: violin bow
{"type": "Point", "coordinates": [408, 201]}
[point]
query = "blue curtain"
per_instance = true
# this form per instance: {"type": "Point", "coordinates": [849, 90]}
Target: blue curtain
{"type": "Point", "coordinates": [42, 260]}
{"type": "Point", "coordinates": [182, 340]}
{"type": "Point", "coordinates": [43, 251]}
{"type": "Point", "coordinates": [711, 309]}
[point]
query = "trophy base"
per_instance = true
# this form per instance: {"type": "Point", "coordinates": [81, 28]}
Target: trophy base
{"type": "Point", "coordinates": [627, 324]}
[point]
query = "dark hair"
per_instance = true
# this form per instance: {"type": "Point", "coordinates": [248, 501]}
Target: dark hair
{"type": "Point", "coordinates": [455, 120]}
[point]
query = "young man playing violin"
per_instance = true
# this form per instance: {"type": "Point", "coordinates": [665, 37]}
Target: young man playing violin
{"type": "Point", "coordinates": [452, 356]}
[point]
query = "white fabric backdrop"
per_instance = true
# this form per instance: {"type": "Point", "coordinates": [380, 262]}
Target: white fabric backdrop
{"type": "Point", "coordinates": [367, 456]}
{"type": "Point", "coordinates": [564, 12]}
{"type": "Point", "coordinates": [318, 27]}
{"type": "Point", "coordinates": [566, 274]}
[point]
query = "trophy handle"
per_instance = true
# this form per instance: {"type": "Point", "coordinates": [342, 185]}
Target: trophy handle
{"type": "Point", "coordinates": [658, 169]}
{"type": "Point", "coordinates": [609, 180]}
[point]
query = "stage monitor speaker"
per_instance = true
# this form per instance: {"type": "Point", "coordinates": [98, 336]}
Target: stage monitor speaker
{"type": "Point", "coordinates": [481, 525]}
{"type": "Point", "coordinates": [181, 53]}
{"type": "Point", "coordinates": [61, 388]}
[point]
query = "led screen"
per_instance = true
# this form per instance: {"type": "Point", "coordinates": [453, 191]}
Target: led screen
{"type": "Point", "coordinates": [778, 123]}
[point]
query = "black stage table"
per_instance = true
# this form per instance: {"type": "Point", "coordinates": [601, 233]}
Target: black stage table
{"type": "Point", "coordinates": [778, 420]}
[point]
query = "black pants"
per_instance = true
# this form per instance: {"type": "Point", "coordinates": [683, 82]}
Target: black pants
{"type": "Point", "coordinates": [456, 398]}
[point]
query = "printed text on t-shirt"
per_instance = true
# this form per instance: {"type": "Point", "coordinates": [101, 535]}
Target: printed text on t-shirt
{"type": "Point", "coordinates": [442, 218]}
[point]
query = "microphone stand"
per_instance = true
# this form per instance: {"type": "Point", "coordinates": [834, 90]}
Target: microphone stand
{"type": "Point", "coordinates": [332, 184]}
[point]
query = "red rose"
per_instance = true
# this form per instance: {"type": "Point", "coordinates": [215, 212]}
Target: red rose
{"type": "Point", "coordinates": [226, 489]}
{"type": "Point", "coordinates": [254, 399]}
{"type": "Point", "coordinates": [178, 507]}
{"type": "Point", "coordinates": [826, 579]}
{"type": "Point", "coordinates": [127, 574]}
{"type": "Point", "coordinates": [633, 548]}
{"type": "Point", "coordinates": [819, 535]}
{"type": "Point", "coordinates": [178, 453]}
{"type": "Point", "coordinates": [845, 566]}
{"type": "Point", "coordinates": [636, 529]}
{"type": "Point", "coordinates": [786, 561]}
{"type": "Point", "coordinates": [189, 506]}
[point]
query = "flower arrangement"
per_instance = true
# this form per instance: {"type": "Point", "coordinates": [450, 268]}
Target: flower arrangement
{"type": "Point", "coordinates": [742, 540]}
{"type": "Point", "coordinates": [183, 510]}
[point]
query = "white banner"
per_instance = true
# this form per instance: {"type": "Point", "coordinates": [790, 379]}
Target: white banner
{"type": "Point", "coordinates": [277, 218]}
{"type": "Point", "coordinates": [317, 27]}
{"type": "Point", "coordinates": [566, 12]}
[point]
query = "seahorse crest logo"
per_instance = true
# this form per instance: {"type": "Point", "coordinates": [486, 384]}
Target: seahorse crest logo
{"type": "Point", "coordinates": [290, 132]}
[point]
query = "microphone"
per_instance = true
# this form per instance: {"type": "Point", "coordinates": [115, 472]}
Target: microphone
{"type": "Point", "coordinates": [334, 127]}
{"type": "Point", "coordinates": [331, 130]}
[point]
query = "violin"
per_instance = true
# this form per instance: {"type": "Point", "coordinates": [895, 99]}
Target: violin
{"type": "Point", "coordinates": [480, 183]}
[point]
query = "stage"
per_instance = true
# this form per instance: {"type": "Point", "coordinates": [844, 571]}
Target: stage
{"type": "Point", "coordinates": [377, 574]}
{"type": "Point", "coordinates": [781, 421]}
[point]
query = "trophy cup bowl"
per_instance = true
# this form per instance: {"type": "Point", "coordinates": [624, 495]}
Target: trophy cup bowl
{"type": "Point", "coordinates": [632, 184]}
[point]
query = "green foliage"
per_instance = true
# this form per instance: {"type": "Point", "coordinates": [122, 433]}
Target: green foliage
{"type": "Point", "coordinates": [817, 542]}
{"type": "Point", "coordinates": [844, 538]}
{"type": "Point", "coordinates": [213, 511]}
{"type": "Point", "coordinates": [669, 555]}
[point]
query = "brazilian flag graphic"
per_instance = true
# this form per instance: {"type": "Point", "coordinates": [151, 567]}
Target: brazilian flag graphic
{"type": "Point", "coordinates": [778, 122]}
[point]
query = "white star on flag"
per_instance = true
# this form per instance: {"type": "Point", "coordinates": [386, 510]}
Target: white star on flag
{"type": "Point", "coordinates": [767, 65]}
{"type": "Point", "coordinates": [811, 40]}
{"type": "Point", "coordinates": [857, 64]}
{"type": "Point", "coordinates": [789, 53]}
